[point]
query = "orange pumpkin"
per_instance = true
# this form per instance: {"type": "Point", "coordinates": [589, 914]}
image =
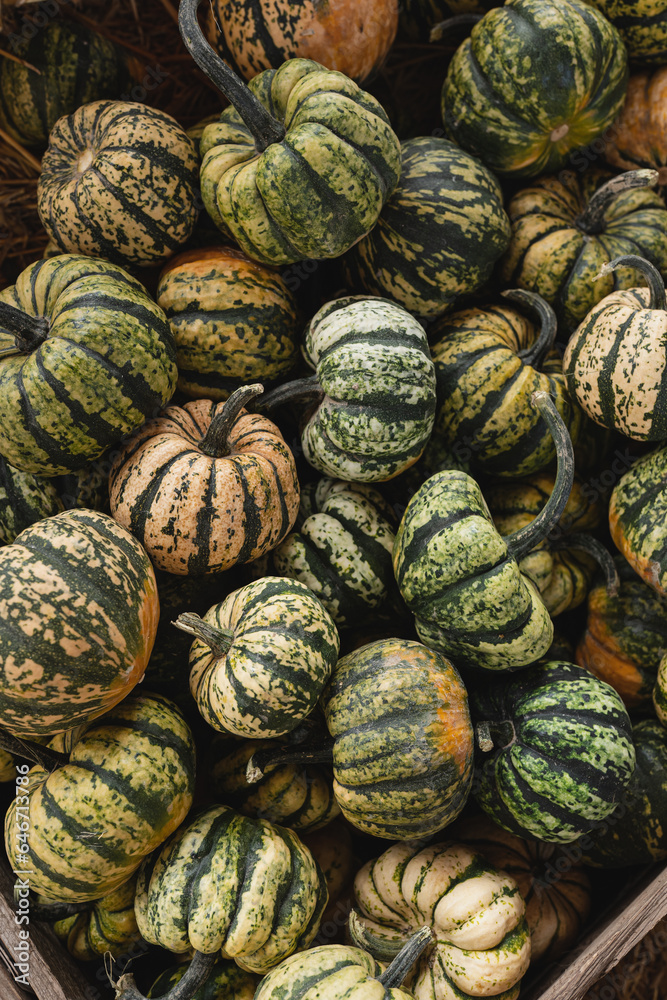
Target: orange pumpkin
{"type": "Point", "coordinates": [206, 486]}
{"type": "Point", "coordinates": [638, 137]}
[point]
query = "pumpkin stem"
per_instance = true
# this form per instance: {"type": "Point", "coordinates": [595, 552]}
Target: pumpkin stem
{"type": "Point", "coordinates": [215, 442]}
{"type": "Point", "coordinates": [194, 979]}
{"type": "Point", "coordinates": [658, 298]}
{"type": "Point", "coordinates": [592, 220]}
{"type": "Point", "coordinates": [28, 331]}
{"type": "Point", "coordinates": [523, 541]}
{"type": "Point", "coordinates": [440, 30]}
{"type": "Point", "coordinates": [495, 735]}
{"type": "Point", "coordinates": [263, 126]}
{"type": "Point", "coordinates": [301, 388]}
{"type": "Point", "coordinates": [394, 975]}
{"type": "Point", "coordinates": [219, 640]}
{"type": "Point", "coordinates": [586, 543]}
{"type": "Point", "coordinates": [58, 911]}
{"type": "Point", "coordinates": [263, 760]}
{"type": "Point", "coordinates": [27, 750]}
{"type": "Point", "coordinates": [536, 305]}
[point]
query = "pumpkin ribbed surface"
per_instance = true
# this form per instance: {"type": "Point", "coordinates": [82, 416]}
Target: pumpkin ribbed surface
{"type": "Point", "coordinates": [127, 786]}
{"type": "Point", "coordinates": [637, 518]}
{"type": "Point", "coordinates": [373, 364]}
{"type": "Point", "coordinates": [642, 26]}
{"type": "Point", "coordinates": [118, 181]}
{"type": "Point", "coordinates": [562, 754]}
{"type": "Point", "coordinates": [80, 390]}
{"type": "Point", "coordinates": [439, 234]}
{"type": "Point", "coordinates": [535, 80]}
{"type": "Point", "coordinates": [637, 138]}
{"type": "Point", "coordinates": [110, 926]}
{"type": "Point", "coordinates": [337, 971]}
{"type": "Point", "coordinates": [402, 755]}
{"type": "Point", "coordinates": [226, 882]}
{"type": "Point", "coordinates": [233, 320]}
{"type": "Point", "coordinates": [79, 612]}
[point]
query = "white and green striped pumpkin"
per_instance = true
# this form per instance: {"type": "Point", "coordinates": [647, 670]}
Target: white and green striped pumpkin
{"type": "Point", "coordinates": [476, 914]}
{"type": "Point", "coordinates": [375, 383]}
{"type": "Point", "coordinates": [227, 884]}
{"type": "Point", "coordinates": [638, 515]}
{"type": "Point", "coordinates": [78, 617]}
{"type": "Point", "coordinates": [261, 658]}
{"type": "Point", "coordinates": [85, 357]}
{"type": "Point", "coordinates": [535, 80]}
{"type": "Point", "coordinates": [439, 234]}
{"type": "Point", "coordinates": [128, 784]}
{"type": "Point", "coordinates": [301, 164]}
{"type": "Point", "coordinates": [560, 751]}
{"type": "Point", "coordinates": [342, 548]}
{"type": "Point", "coordinates": [118, 181]}
{"type": "Point", "coordinates": [109, 926]}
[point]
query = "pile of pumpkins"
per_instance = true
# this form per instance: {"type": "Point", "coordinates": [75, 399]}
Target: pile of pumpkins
{"type": "Point", "coordinates": [353, 534]}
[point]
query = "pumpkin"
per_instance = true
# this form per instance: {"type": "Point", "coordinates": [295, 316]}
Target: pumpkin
{"type": "Point", "coordinates": [301, 164]}
{"type": "Point", "coordinates": [261, 658]}
{"type": "Point", "coordinates": [7, 766]}
{"type": "Point", "coordinates": [351, 36]}
{"type": "Point", "coordinates": [402, 750]}
{"type": "Point", "coordinates": [109, 926]}
{"type": "Point", "coordinates": [439, 234]}
{"type": "Point", "coordinates": [462, 580]}
{"type": "Point", "coordinates": [62, 66]}
{"type": "Point", "coordinates": [561, 57]}
{"type": "Point", "coordinates": [234, 321]}
{"type": "Point", "coordinates": [227, 883]}
{"type": "Point", "coordinates": [488, 362]}
{"type": "Point", "coordinates": [300, 797]}
{"type": "Point", "coordinates": [637, 518]}
{"type": "Point", "coordinates": [643, 28]}
{"type": "Point", "coordinates": [562, 566]}
{"type": "Point", "coordinates": [565, 228]}
{"type": "Point", "coordinates": [659, 694]}
{"type": "Point", "coordinates": [69, 390]}
{"type": "Point", "coordinates": [205, 486]}
{"type": "Point", "coordinates": [636, 139]}
{"type": "Point", "coordinates": [375, 384]}
{"type": "Point", "coordinates": [625, 638]}
{"type": "Point", "coordinates": [224, 982]}
{"type": "Point", "coordinates": [340, 972]}
{"type": "Point", "coordinates": [613, 363]}
{"type": "Point", "coordinates": [560, 751]}
{"type": "Point", "coordinates": [128, 784]}
{"type": "Point", "coordinates": [26, 498]}
{"type": "Point", "coordinates": [119, 181]}
{"type": "Point", "coordinates": [557, 892]}
{"type": "Point", "coordinates": [79, 613]}
{"type": "Point", "coordinates": [636, 831]}
{"type": "Point", "coordinates": [477, 916]}
{"type": "Point", "coordinates": [342, 548]}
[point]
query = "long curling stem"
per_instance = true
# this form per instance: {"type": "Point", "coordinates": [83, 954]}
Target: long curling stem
{"type": "Point", "coordinates": [586, 543]}
{"type": "Point", "coordinates": [536, 305]}
{"type": "Point", "coordinates": [194, 979]}
{"type": "Point", "coordinates": [658, 297]}
{"type": "Point", "coordinates": [28, 750]}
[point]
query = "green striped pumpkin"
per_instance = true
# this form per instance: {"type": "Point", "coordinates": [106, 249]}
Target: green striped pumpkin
{"type": "Point", "coordinates": [402, 752]}
{"type": "Point", "coordinates": [298, 796]}
{"type": "Point", "coordinates": [535, 80]}
{"type": "Point", "coordinates": [439, 234]}
{"type": "Point", "coordinates": [300, 165]}
{"type": "Point", "coordinates": [488, 362]}
{"type": "Point", "coordinates": [636, 832]}
{"type": "Point", "coordinates": [616, 361]}
{"type": "Point", "coordinates": [376, 386]}
{"type": "Point", "coordinates": [62, 66]}
{"type": "Point", "coordinates": [226, 883]}
{"type": "Point", "coordinates": [79, 613]}
{"type": "Point", "coordinates": [560, 751]}
{"type": "Point", "coordinates": [642, 26]}
{"type": "Point", "coordinates": [85, 357]}
{"type": "Point", "coordinates": [110, 926]}
{"type": "Point", "coordinates": [476, 915]}
{"type": "Point", "coordinates": [342, 548]}
{"type": "Point", "coordinates": [261, 658]}
{"type": "Point", "coordinates": [128, 784]}
{"type": "Point", "coordinates": [26, 498]}
{"type": "Point", "coordinates": [233, 320]}
{"type": "Point", "coordinates": [225, 982]}
{"type": "Point", "coordinates": [638, 515]}
{"type": "Point", "coordinates": [565, 228]}
{"type": "Point", "coordinates": [118, 181]}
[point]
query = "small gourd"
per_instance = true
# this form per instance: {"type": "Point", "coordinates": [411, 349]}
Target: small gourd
{"type": "Point", "coordinates": [638, 515]}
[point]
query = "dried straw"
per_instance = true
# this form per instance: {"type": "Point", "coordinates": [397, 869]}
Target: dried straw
{"type": "Point", "coordinates": [641, 975]}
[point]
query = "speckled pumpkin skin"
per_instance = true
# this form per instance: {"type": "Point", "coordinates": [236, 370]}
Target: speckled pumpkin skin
{"type": "Point", "coordinates": [642, 26]}
{"type": "Point", "coordinates": [638, 137]}
{"type": "Point", "coordinates": [637, 518]}
{"type": "Point", "coordinates": [110, 926]}
{"type": "Point", "coordinates": [351, 36]}
{"type": "Point", "coordinates": [195, 514]}
{"type": "Point", "coordinates": [339, 971]}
